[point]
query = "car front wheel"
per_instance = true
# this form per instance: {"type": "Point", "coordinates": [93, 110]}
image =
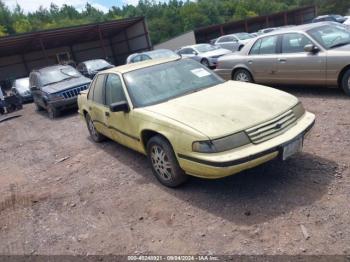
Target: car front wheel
{"type": "Point", "coordinates": [242, 75]}
{"type": "Point", "coordinates": [205, 62]}
{"type": "Point", "coordinates": [95, 135]}
{"type": "Point", "coordinates": [53, 112]}
{"type": "Point", "coordinates": [164, 163]}
{"type": "Point", "coordinates": [345, 83]}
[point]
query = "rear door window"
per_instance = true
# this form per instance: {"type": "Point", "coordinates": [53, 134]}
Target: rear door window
{"type": "Point", "coordinates": [91, 89]}
{"type": "Point", "coordinates": [265, 46]}
{"type": "Point", "coordinates": [136, 59]}
{"type": "Point", "coordinates": [98, 92]}
{"type": "Point", "coordinates": [226, 39]}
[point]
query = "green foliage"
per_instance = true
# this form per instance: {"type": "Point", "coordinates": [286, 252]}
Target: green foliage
{"type": "Point", "coordinates": [3, 31]}
{"type": "Point", "coordinates": [165, 20]}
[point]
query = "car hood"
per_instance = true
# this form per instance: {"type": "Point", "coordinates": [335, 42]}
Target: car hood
{"type": "Point", "coordinates": [66, 84]}
{"type": "Point", "coordinates": [226, 108]}
{"type": "Point", "coordinates": [345, 48]}
{"type": "Point", "coordinates": [217, 52]}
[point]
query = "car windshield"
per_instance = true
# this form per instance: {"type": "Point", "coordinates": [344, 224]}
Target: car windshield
{"type": "Point", "coordinates": [205, 48]}
{"type": "Point", "coordinates": [160, 83]}
{"type": "Point", "coordinates": [22, 84]}
{"type": "Point", "coordinates": [244, 36]}
{"type": "Point", "coordinates": [331, 36]}
{"type": "Point", "coordinates": [95, 65]}
{"type": "Point", "coordinates": [56, 75]}
{"type": "Point", "coordinates": [161, 54]}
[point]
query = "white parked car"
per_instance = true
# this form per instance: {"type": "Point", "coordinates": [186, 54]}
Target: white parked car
{"type": "Point", "coordinates": [234, 42]}
{"type": "Point", "coordinates": [206, 54]}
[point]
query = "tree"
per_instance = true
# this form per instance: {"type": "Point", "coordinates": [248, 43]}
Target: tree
{"type": "Point", "coordinates": [2, 31]}
{"type": "Point", "coordinates": [165, 19]}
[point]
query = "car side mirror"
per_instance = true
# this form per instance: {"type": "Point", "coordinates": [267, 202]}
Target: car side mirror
{"type": "Point", "coordinates": [310, 48]}
{"type": "Point", "coordinates": [119, 107]}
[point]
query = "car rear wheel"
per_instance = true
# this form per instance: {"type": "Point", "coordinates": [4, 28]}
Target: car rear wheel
{"type": "Point", "coordinates": [95, 135]}
{"type": "Point", "coordinates": [242, 75]}
{"type": "Point", "coordinates": [53, 112]}
{"type": "Point", "coordinates": [205, 62]}
{"type": "Point", "coordinates": [345, 83]}
{"type": "Point", "coordinates": [164, 163]}
{"type": "Point", "coordinates": [38, 108]}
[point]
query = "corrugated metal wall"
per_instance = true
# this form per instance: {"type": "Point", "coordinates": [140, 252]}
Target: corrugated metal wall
{"type": "Point", "coordinates": [291, 17]}
{"type": "Point", "coordinates": [134, 38]}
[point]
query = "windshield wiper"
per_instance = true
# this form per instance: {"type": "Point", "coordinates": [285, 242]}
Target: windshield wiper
{"type": "Point", "coordinates": [339, 44]}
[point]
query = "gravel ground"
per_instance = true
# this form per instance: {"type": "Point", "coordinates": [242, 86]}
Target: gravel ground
{"type": "Point", "coordinates": [60, 193]}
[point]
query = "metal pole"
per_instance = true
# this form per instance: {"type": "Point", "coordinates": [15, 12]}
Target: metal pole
{"type": "Point", "coordinates": [222, 30]}
{"type": "Point", "coordinates": [101, 42]}
{"type": "Point", "coordinates": [44, 51]}
{"type": "Point", "coordinates": [113, 51]}
{"type": "Point", "coordinates": [146, 34]}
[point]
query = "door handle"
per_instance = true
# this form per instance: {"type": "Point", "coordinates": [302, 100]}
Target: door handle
{"type": "Point", "coordinates": [107, 114]}
{"type": "Point", "coordinates": [250, 62]}
{"type": "Point", "coordinates": [282, 60]}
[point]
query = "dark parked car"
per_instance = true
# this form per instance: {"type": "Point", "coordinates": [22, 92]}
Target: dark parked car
{"type": "Point", "coordinates": [55, 88]}
{"type": "Point", "coordinates": [90, 68]}
{"type": "Point", "coordinates": [21, 89]}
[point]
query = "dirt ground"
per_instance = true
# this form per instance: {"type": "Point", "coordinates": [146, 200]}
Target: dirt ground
{"type": "Point", "coordinates": [60, 193]}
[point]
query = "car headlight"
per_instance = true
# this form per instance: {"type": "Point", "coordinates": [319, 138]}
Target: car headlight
{"type": "Point", "coordinates": [221, 144]}
{"type": "Point", "coordinates": [298, 110]}
{"type": "Point", "coordinates": [55, 97]}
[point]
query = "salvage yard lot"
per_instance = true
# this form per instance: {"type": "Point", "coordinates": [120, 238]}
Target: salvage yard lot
{"type": "Point", "coordinates": [60, 193]}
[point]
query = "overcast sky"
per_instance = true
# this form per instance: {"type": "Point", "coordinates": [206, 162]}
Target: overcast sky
{"type": "Point", "coordinates": [32, 5]}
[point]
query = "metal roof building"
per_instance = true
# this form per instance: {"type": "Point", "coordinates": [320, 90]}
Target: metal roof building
{"type": "Point", "coordinates": [291, 17]}
{"type": "Point", "coordinates": [114, 40]}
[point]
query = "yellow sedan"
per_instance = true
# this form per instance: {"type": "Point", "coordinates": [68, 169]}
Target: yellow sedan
{"type": "Point", "coordinates": [188, 121]}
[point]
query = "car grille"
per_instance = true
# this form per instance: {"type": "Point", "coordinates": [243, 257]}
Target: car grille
{"type": "Point", "coordinates": [272, 128]}
{"type": "Point", "coordinates": [74, 91]}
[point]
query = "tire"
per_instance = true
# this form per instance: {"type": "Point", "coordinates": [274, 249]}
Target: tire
{"type": "Point", "coordinates": [345, 82]}
{"type": "Point", "coordinates": [164, 163]}
{"type": "Point", "coordinates": [53, 112]}
{"type": "Point", "coordinates": [38, 108]}
{"type": "Point", "coordinates": [94, 134]}
{"type": "Point", "coordinates": [243, 75]}
{"type": "Point", "coordinates": [205, 62]}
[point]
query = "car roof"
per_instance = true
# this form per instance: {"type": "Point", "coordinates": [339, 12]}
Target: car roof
{"type": "Point", "coordinates": [297, 28]}
{"type": "Point", "coordinates": [194, 46]}
{"type": "Point", "coordinates": [22, 78]}
{"type": "Point", "coordinates": [139, 65]}
{"type": "Point", "coordinates": [93, 60]}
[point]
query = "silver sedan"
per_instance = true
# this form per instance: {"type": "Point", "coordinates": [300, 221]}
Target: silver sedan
{"type": "Point", "coordinates": [313, 54]}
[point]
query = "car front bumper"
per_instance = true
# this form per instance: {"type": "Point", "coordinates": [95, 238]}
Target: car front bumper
{"type": "Point", "coordinates": [26, 98]}
{"type": "Point", "coordinates": [227, 163]}
{"type": "Point", "coordinates": [64, 103]}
